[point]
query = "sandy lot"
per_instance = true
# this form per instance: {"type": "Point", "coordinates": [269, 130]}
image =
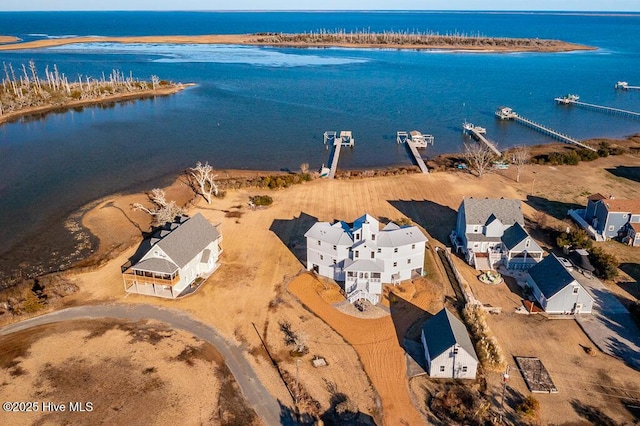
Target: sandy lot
{"type": "Point", "coordinates": [260, 261]}
{"type": "Point", "coordinates": [120, 372]}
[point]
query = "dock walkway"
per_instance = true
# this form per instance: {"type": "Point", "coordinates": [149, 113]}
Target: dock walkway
{"type": "Point", "coordinates": [403, 137]}
{"type": "Point", "coordinates": [335, 156]}
{"type": "Point", "coordinates": [506, 113]}
{"type": "Point", "coordinates": [566, 100]}
{"type": "Point", "coordinates": [477, 133]}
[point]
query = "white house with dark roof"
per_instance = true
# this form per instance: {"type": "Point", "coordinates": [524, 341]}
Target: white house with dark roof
{"type": "Point", "coordinates": [490, 231]}
{"type": "Point", "coordinates": [448, 350]}
{"type": "Point", "coordinates": [177, 255]}
{"type": "Point", "coordinates": [364, 256]}
{"type": "Point", "coordinates": [558, 289]}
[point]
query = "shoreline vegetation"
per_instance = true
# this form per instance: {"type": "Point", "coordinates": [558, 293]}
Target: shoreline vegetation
{"type": "Point", "coordinates": [23, 92]}
{"type": "Point", "coordinates": [325, 39]}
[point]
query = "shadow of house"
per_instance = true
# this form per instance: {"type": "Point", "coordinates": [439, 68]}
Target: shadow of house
{"type": "Point", "coordinates": [408, 320]}
{"type": "Point", "coordinates": [627, 172]}
{"type": "Point", "coordinates": [633, 270]}
{"type": "Point", "coordinates": [291, 233]}
{"type": "Point", "coordinates": [557, 209]}
{"type": "Point", "coordinates": [436, 219]}
{"type": "Point", "coordinates": [592, 414]}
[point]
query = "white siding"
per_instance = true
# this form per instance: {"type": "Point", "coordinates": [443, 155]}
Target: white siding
{"type": "Point", "coordinates": [451, 365]}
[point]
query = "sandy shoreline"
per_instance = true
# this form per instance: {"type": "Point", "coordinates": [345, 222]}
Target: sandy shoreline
{"type": "Point", "coordinates": [8, 39]}
{"type": "Point", "coordinates": [43, 109]}
{"type": "Point", "coordinates": [254, 40]}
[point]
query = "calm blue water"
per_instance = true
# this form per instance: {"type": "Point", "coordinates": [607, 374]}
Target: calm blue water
{"type": "Point", "coordinates": [266, 108]}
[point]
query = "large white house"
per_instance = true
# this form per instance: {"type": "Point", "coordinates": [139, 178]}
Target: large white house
{"type": "Point", "coordinates": [447, 347]}
{"type": "Point", "coordinates": [490, 231]}
{"type": "Point", "coordinates": [363, 256]}
{"type": "Point", "coordinates": [176, 256]}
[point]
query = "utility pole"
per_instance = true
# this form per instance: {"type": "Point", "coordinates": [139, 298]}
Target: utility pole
{"type": "Point", "coordinates": [297, 381]}
{"type": "Point", "coordinates": [505, 379]}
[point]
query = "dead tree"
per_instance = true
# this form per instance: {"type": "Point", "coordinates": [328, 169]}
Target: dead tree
{"type": "Point", "coordinates": [163, 211]}
{"type": "Point", "coordinates": [479, 158]}
{"type": "Point", "coordinates": [519, 157]}
{"type": "Point", "coordinates": [203, 180]}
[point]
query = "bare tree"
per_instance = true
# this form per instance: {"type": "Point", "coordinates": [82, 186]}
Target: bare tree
{"type": "Point", "coordinates": [203, 179]}
{"type": "Point", "coordinates": [519, 157]}
{"type": "Point", "coordinates": [479, 158]}
{"type": "Point", "coordinates": [304, 168]}
{"type": "Point", "coordinates": [163, 211]}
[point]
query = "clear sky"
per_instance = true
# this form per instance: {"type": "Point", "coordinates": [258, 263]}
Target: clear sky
{"type": "Point", "coordinates": [555, 5]}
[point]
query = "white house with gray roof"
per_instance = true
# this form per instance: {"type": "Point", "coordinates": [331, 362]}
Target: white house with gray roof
{"type": "Point", "coordinates": [448, 350]}
{"type": "Point", "coordinates": [490, 232]}
{"type": "Point", "coordinates": [558, 289]}
{"type": "Point", "coordinates": [184, 251]}
{"type": "Point", "coordinates": [363, 256]}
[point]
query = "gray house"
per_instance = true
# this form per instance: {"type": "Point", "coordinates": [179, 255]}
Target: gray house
{"type": "Point", "coordinates": [176, 256]}
{"type": "Point", "coordinates": [558, 289]}
{"type": "Point", "coordinates": [611, 217]}
{"type": "Point", "coordinates": [490, 232]}
{"type": "Point", "coordinates": [447, 347]}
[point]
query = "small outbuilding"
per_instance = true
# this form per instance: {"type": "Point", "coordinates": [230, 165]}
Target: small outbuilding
{"type": "Point", "coordinates": [557, 289]}
{"type": "Point", "coordinates": [448, 349]}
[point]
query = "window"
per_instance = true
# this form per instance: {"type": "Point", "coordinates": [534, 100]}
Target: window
{"type": "Point", "coordinates": [395, 250]}
{"type": "Point", "coordinates": [379, 250]}
{"type": "Point", "coordinates": [321, 257]}
{"type": "Point", "coordinates": [413, 246]}
{"type": "Point", "coordinates": [335, 247]}
{"type": "Point", "coordinates": [455, 350]}
{"type": "Point", "coordinates": [464, 368]}
{"type": "Point", "coordinates": [442, 368]}
{"type": "Point", "coordinates": [395, 264]}
{"type": "Point", "coordinates": [373, 237]}
{"type": "Point", "coordinates": [611, 228]}
{"type": "Point", "coordinates": [357, 253]}
{"type": "Point", "coordinates": [408, 261]}
{"type": "Point", "coordinates": [373, 255]}
{"type": "Point", "coordinates": [575, 290]}
{"type": "Point", "coordinates": [319, 242]}
{"type": "Point", "coordinates": [527, 243]}
{"type": "Point", "coordinates": [335, 261]}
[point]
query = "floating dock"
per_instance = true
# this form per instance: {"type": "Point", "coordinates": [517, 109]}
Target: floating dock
{"type": "Point", "coordinates": [623, 85]}
{"type": "Point", "coordinates": [331, 138]}
{"type": "Point", "coordinates": [506, 113]}
{"type": "Point", "coordinates": [574, 100]}
{"type": "Point", "coordinates": [477, 133]}
{"type": "Point", "coordinates": [415, 140]}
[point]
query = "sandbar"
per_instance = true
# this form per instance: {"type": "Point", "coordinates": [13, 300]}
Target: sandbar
{"type": "Point", "coordinates": [264, 40]}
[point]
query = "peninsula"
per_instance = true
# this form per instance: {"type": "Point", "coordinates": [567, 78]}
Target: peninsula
{"type": "Point", "coordinates": [385, 40]}
{"type": "Point", "coordinates": [23, 92]}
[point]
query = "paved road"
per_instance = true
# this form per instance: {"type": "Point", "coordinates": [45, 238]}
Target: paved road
{"type": "Point", "coordinates": [610, 326]}
{"type": "Point", "coordinates": [265, 405]}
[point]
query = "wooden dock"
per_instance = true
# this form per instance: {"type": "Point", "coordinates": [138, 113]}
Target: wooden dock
{"type": "Point", "coordinates": [506, 113]}
{"type": "Point", "coordinates": [335, 156]}
{"type": "Point", "coordinates": [573, 100]}
{"type": "Point", "coordinates": [478, 133]}
{"type": "Point", "coordinates": [420, 142]}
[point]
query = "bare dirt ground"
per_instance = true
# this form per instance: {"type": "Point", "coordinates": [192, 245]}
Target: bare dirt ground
{"type": "Point", "coordinates": [262, 252]}
{"type": "Point", "coordinates": [128, 372]}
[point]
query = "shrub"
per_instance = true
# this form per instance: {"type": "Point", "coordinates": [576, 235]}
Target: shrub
{"type": "Point", "coordinates": [261, 200]}
{"type": "Point", "coordinates": [575, 238]}
{"type": "Point", "coordinates": [529, 406]}
{"type": "Point", "coordinates": [606, 264]}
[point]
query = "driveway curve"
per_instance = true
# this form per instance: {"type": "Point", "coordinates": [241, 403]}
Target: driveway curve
{"type": "Point", "coordinates": [265, 405]}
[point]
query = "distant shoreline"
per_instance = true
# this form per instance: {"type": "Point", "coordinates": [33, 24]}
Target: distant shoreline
{"type": "Point", "coordinates": [44, 109]}
{"type": "Point", "coordinates": [265, 40]}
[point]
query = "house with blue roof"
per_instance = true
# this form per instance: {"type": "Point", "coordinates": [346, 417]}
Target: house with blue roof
{"type": "Point", "coordinates": [557, 288]}
{"type": "Point", "coordinates": [448, 350]}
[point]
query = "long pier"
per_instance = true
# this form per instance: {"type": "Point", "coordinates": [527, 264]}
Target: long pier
{"type": "Point", "coordinates": [625, 86]}
{"type": "Point", "coordinates": [344, 139]}
{"type": "Point", "coordinates": [403, 137]}
{"type": "Point", "coordinates": [573, 100]}
{"type": "Point", "coordinates": [506, 113]}
{"type": "Point", "coordinates": [478, 133]}
{"type": "Point", "coordinates": [335, 156]}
